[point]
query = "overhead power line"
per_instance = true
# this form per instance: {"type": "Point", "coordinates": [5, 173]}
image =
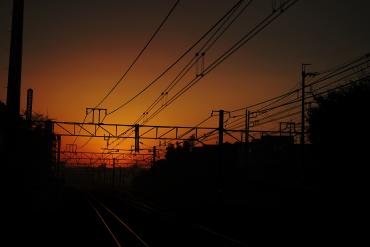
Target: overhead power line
{"type": "Point", "coordinates": [247, 37]}
{"type": "Point", "coordinates": [256, 30]}
{"type": "Point", "coordinates": [261, 122]}
{"type": "Point", "coordinates": [132, 64]}
{"type": "Point", "coordinates": [177, 60]}
{"type": "Point", "coordinates": [214, 33]}
{"type": "Point", "coordinates": [330, 73]}
{"type": "Point", "coordinates": [139, 54]}
{"type": "Point", "coordinates": [224, 26]}
{"type": "Point", "coordinates": [358, 66]}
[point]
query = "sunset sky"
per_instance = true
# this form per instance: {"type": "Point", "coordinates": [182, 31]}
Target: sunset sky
{"type": "Point", "coordinates": [76, 50]}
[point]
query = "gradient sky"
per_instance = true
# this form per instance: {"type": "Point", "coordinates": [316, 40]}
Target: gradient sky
{"type": "Point", "coordinates": [75, 50]}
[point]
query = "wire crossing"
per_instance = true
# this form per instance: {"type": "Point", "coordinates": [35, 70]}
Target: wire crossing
{"type": "Point", "coordinates": [139, 54]}
{"type": "Point", "coordinates": [132, 65]}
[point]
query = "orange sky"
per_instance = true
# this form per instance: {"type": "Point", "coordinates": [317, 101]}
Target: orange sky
{"type": "Point", "coordinates": [74, 52]}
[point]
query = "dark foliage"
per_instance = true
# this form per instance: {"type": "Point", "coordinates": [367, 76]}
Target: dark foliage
{"type": "Point", "coordinates": [340, 118]}
{"type": "Point", "coordinates": [27, 162]}
{"type": "Point", "coordinates": [339, 130]}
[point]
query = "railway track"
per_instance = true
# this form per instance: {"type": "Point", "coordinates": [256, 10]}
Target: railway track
{"type": "Point", "coordinates": [148, 209]}
{"type": "Point", "coordinates": [158, 228]}
{"type": "Point", "coordinates": [122, 234]}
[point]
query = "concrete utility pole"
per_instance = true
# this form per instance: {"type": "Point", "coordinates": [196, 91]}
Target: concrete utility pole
{"type": "Point", "coordinates": [220, 169]}
{"type": "Point", "coordinates": [15, 60]}
{"type": "Point", "coordinates": [247, 120]}
{"type": "Point", "coordinates": [221, 127]}
{"type": "Point", "coordinates": [137, 139]}
{"type": "Point", "coordinates": [303, 120]}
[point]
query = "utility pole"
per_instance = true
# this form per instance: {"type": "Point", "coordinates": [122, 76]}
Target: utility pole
{"type": "Point", "coordinates": [303, 120]}
{"type": "Point", "coordinates": [247, 119]}
{"type": "Point", "coordinates": [15, 60]}
{"type": "Point", "coordinates": [220, 126]}
{"type": "Point", "coordinates": [137, 139]}
{"type": "Point", "coordinates": [221, 130]}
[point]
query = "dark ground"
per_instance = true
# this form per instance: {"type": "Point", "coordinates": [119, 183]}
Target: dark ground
{"type": "Point", "coordinates": [70, 221]}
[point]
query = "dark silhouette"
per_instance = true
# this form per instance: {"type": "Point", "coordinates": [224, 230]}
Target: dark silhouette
{"type": "Point", "coordinates": [37, 208]}
{"type": "Point", "coordinates": [15, 60]}
{"type": "Point", "coordinates": [325, 193]}
{"type": "Point", "coordinates": [27, 159]}
{"type": "Point", "coordinates": [339, 131]}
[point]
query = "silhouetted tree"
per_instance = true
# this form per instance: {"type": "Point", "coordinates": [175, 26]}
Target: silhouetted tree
{"type": "Point", "coordinates": [340, 117]}
{"type": "Point", "coordinates": [339, 130]}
